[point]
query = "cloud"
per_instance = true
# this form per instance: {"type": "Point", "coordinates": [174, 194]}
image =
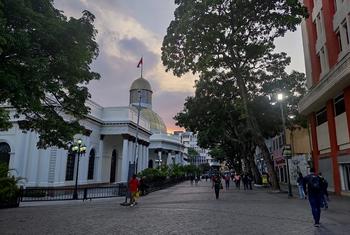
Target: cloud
{"type": "Point", "coordinates": [125, 33]}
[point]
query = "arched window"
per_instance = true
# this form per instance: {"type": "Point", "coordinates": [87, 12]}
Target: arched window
{"type": "Point", "coordinates": [91, 165]}
{"type": "Point", "coordinates": [5, 153]}
{"type": "Point", "coordinates": [113, 166]}
{"type": "Point", "coordinates": [70, 166]}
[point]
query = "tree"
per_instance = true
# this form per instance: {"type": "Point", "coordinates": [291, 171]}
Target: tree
{"type": "Point", "coordinates": [233, 38]}
{"type": "Point", "coordinates": [44, 68]}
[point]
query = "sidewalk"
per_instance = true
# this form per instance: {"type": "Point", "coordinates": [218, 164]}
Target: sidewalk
{"type": "Point", "coordinates": [182, 209]}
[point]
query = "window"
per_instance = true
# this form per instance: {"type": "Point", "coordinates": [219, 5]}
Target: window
{"type": "Point", "coordinates": [70, 166]}
{"type": "Point", "coordinates": [319, 25]}
{"type": "Point", "coordinates": [91, 165]}
{"type": "Point", "coordinates": [5, 153]}
{"type": "Point", "coordinates": [321, 116]}
{"type": "Point", "coordinates": [339, 41]}
{"type": "Point", "coordinates": [339, 105]}
{"type": "Point", "coordinates": [323, 60]}
{"type": "Point", "coordinates": [345, 27]}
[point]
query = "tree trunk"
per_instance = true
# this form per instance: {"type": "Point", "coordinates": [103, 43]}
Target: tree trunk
{"type": "Point", "coordinates": [257, 135]}
{"type": "Point", "coordinates": [254, 169]}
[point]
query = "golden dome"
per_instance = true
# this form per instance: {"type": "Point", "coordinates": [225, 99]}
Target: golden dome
{"type": "Point", "coordinates": [156, 122]}
{"type": "Point", "coordinates": [141, 84]}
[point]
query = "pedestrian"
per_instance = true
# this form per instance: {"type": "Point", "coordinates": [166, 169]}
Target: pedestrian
{"type": "Point", "coordinates": [324, 203]}
{"type": "Point", "coordinates": [143, 186]}
{"type": "Point", "coordinates": [227, 181]}
{"type": "Point", "coordinates": [314, 193]}
{"type": "Point", "coordinates": [250, 181]}
{"type": "Point", "coordinates": [133, 189]}
{"type": "Point", "coordinates": [300, 183]}
{"type": "Point", "coordinates": [237, 180]}
{"type": "Point", "coordinates": [245, 181]}
{"type": "Point", "coordinates": [217, 185]}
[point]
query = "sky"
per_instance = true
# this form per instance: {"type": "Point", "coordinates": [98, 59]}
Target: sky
{"type": "Point", "coordinates": [129, 29]}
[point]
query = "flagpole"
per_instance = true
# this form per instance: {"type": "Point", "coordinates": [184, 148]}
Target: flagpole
{"type": "Point", "coordinates": [141, 66]}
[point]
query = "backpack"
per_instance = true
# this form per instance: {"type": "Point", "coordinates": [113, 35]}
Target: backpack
{"type": "Point", "coordinates": [315, 184]}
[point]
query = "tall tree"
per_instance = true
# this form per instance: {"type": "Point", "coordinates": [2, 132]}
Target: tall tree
{"type": "Point", "coordinates": [45, 67]}
{"type": "Point", "coordinates": [235, 38]}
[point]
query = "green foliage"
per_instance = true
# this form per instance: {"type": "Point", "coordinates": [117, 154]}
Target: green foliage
{"type": "Point", "coordinates": [44, 68]}
{"type": "Point", "coordinates": [153, 174]}
{"type": "Point", "coordinates": [9, 191]}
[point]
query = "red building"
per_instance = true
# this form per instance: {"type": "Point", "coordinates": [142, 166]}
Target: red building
{"type": "Point", "coordinates": [327, 103]}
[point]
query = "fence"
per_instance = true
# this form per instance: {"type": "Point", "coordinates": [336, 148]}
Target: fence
{"type": "Point", "coordinates": [58, 194]}
{"type": "Point", "coordinates": [86, 193]}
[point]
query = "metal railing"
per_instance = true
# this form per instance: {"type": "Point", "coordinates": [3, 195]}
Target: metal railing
{"type": "Point", "coordinates": [88, 193]}
{"type": "Point", "coordinates": [58, 194]}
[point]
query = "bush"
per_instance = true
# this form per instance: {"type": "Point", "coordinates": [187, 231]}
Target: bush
{"type": "Point", "coordinates": [9, 192]}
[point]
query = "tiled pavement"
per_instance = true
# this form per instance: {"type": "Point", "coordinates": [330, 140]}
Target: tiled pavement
{"type": "Point", "coordinates": [183, 209]}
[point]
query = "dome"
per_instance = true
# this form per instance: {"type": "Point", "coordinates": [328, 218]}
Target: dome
{"type": "Point", "coordinates": [156, 122]}
{"type": "Point", "coordinates": [141, 84]}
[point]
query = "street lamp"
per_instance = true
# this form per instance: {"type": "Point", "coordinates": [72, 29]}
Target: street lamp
{"type": "Point", "coordinates": [136, 158]}
{"type": "Point", "coordinates": [133, 166]}
{"type": "Point", "coordinates": [280, 99]}
{"type": "Point", "coordinates": [78, 149]}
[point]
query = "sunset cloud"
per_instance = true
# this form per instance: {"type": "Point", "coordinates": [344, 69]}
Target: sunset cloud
{"type": "Point", "coordinates": [127, 30]}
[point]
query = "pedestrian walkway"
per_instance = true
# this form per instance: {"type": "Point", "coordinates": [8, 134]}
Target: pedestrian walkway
{"type": "Point", "coordinates": [182, 209]}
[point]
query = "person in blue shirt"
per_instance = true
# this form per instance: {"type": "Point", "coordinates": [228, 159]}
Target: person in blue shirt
{"type": "Point", "coordinates": [314, 191]}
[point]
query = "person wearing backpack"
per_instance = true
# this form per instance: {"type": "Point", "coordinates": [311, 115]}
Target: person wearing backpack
{"type": "Point", "coordinates": [217, 185]}
{"type": "Point", "coordinates": [324, 203]}
{"type": "Point", "coordinates": [314, 191]}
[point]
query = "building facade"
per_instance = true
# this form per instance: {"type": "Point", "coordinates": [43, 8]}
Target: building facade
{"type": "Point", "coordinates": [111, 145]}
{"type": "Point", "coordinates": [327, 103]}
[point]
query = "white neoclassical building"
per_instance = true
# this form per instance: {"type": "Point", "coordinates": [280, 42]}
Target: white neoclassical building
{"type": "Point", "coordinates": [111, 145]}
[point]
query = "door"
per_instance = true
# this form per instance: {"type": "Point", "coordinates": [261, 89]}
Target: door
{"type": "Point", "coordinates": [5, 153]}
{"type": "Point", "coordinates": [113, 166]}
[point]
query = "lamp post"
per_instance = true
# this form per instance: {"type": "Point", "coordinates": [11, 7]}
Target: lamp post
{"type": "Point", "coordinates": [133, 167]}
{"type": "Point", "coordinates": [137, 132]}
{"type": "Point", "coordinates": [280, 99]}
{"type": "Point", "coordinates": [78, 149]}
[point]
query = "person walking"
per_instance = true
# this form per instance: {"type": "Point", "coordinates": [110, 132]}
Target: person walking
{"type": "Point", "coordinates": [313, 186]}
{"type": "Point", "coordinates": [250, 181]}
{"type": "Point", "coordinates": [217, 185]}
{"type": "Point", "coordinates": [237, 180]}
{"type": "Point", "coordinates": [133, 189]}
{"type": "Point", "coordinates": [300, 183]}
{"type": "Point", "coordinates": [227, 181]}
{"type": "Point", "coordinates": [245, 181]}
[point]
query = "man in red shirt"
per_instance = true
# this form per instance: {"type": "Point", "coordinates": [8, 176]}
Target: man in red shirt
{"type": "Point", "coordinates": [133, 188]}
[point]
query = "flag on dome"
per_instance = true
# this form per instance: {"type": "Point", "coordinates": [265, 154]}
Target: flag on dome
{"type": "Point", "coordinates": [140, 62]}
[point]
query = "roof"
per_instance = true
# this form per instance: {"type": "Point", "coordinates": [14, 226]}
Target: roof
{"type": "Point", "coordinates": [141, 84]}
{"type": "Point", "coordinates": [156, 122]}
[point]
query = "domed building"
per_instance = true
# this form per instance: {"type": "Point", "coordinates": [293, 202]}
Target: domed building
{"type": "Point", "coordinates": [141, 93]}
{"type": "Point", "coordinates": [110, 141]}
{"type": "Point", "coordinates": [164, 148]}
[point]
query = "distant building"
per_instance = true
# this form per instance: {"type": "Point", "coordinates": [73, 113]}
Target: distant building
{"type": "Point", "coordinates": [327, 103]}
{"type": "Point", "coordinates": [190, 140]}
{"type": "Point", "coordinates": [299, 162]}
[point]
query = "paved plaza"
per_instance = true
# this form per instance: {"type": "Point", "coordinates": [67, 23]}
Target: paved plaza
{"type": "Point", "coordinates": [182, 209]}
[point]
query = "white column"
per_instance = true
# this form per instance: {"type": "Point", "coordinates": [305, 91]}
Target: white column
{"type": "Point", "coordinates": [140, 157]}
{"type": "Point", "coordinates": [99, 161]}
{"type": "Point", "coordinates": [145, 159]}
{"type": "Point", "coordinates": [169, 160]}
{"type": "Point", "coordinates": [159, 158]}
{"type": "Point", "coordinates": [125, 160]}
